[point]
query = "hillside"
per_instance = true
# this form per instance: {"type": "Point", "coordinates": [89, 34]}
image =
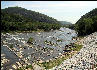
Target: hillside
{"type": "Point", "coordinates": [87, 24]}
{"type": "Point", "coordinates": [32, 15]}
{"type": "Point", "coordinates": [17, 18]}
{"type": "Point", "coordinates": [65, 22]}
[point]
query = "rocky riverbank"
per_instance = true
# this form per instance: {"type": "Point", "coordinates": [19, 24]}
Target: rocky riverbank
{"type": "Point", "coordinates": [85, 59]}
{"type": "Point", "coordinates": [44, 47]}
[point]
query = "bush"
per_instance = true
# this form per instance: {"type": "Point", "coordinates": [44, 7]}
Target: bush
{"type": "Point", "coordinates": [11, 46]}
{"type": "Point", "coordinates": [30, 40]}
{"type": "Point", "coordinates": [76, 47]}
{"type": "Point", "coordinates": [53, 63]}
{"type": "Point", "coordinates": [59, 40]}
{"type": "Point", "coordinates": [29, 66]}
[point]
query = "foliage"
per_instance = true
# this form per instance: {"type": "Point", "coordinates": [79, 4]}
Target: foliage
{"type": "Point", "coordinates": [20, 19]}
{"type": "Point", "coordinates": [30, 40]}
{"type": "Point", "coordinates": [76, 47]}
{"type": "Point", "coordinates": [11, 46]}
{"type": "Point", "coordinates": [67, 24]}
{"type": "Point", "coordinates": [53, 63]}
{"type": "Point", "coordinates": [29, 66]}
{"type": "Point", "coordinates": [59, 40]}
{"type": "Point", "coordinates": [87, 24]}
{"type": "Point", "coordinates": [59, 60]}
{"type": "Point", "coordinates": [71, 26]}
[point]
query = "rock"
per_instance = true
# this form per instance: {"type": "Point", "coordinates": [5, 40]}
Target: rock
{"type": "Point", "coordinates": [4, 42]}
{"type": "Point", "coordinates": [14, 66]}
{"type": "Point", "coordinates": [40, 61]}
{"type": "Point", "coordinates": [47, 60]}
{"type": "Point", "coordinates": [85, 58]}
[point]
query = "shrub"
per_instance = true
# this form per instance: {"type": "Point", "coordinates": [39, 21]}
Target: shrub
{"type": "Point", "coordinates": [30, 40]}
{"type": "Point", "coordinates": [11, 46]}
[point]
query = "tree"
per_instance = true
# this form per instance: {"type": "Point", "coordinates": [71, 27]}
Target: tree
{"type": "Point", "coordinates": [87, 24]}
{"type": "Point", "coordinates": [20, 19]}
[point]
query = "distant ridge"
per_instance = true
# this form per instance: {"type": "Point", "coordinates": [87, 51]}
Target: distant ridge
{"type": "Point", "coordinates": [65, 22]}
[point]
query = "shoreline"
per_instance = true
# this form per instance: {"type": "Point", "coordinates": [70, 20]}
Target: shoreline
{"type": "Point", "coordinates": [80, 56]}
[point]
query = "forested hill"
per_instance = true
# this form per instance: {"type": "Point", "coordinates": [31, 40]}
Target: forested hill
{"type": "Point", "coordinates": [87, 24]}
{"type": "Point", "coordinates": [65, 22]}
{"type": "Point", "coordinates": [21, 19]}
{"type": "Point", "coordinates": [32, 15]}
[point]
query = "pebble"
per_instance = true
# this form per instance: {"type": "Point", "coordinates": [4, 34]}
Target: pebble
{"type": "Point", "coordinates": [85, 59]}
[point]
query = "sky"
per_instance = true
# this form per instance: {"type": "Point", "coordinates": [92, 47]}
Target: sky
{"type": "Point", "coordinates": [70, 11]}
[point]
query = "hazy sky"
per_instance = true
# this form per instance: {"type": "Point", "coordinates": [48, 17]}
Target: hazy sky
{"type": "Point", "coordinates": [69, 11]}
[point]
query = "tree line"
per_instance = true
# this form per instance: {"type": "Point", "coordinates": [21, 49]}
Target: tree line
{"type": "Point", "coordinates": [87, 24]}
{"type": "Point", "coordinates": [20, 19]}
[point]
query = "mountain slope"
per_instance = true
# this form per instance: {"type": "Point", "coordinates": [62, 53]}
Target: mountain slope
{"type": "Point", "coordinates": [34, 16]}
{"type": "Point", "coordinates": [87, 24]}
{"type": "Point", "coordinates": [20, 19]}
{"type": "Point", "coordinates": [65, 22]}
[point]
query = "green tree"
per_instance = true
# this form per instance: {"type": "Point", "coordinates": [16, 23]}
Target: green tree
{"type": "Point", "coordinates": [87, 24]}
